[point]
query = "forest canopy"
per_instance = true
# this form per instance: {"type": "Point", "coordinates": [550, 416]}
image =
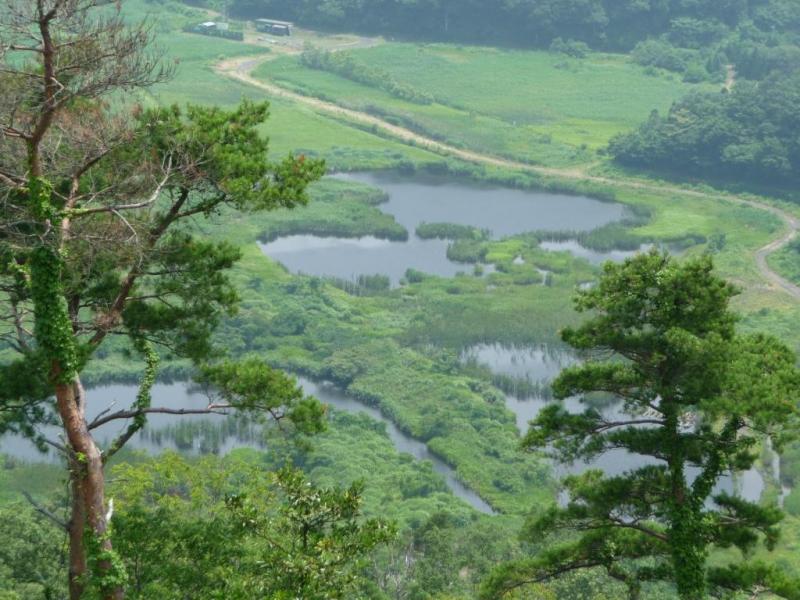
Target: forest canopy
{"type": "Point", "coordinates": [611, 24]}
{"type": "Point", "coordinates": [752, 133]}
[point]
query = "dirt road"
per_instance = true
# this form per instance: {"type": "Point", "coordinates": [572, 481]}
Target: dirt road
{"type": "Point", "coordinates": [240, 69]}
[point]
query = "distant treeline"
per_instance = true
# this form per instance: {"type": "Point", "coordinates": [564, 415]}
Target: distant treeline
{"type": "Point", "coordinates": [612, 24]}
{"type": "Point", "coordinates": [751, 134]}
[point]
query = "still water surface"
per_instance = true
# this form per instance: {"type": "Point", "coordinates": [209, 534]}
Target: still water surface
{"type": "Point", "coordinates": [185, 396]}
{"type": "Point", "coordinates": [427, 199]}
{"type": "Point", "coordinates": [413, 201]}
{"type": "Point", "coordinates": [541, 364]}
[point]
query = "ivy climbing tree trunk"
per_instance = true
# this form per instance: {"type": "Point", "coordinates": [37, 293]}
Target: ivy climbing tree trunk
{"type": "Point", "coordinates": [93, 242]}
{"type": "Point", "coordinates": [54, 335]}
{"type": "Point", "coordinates": [687, 547]}
{"type": "Point", "coordinates": [89, 506]}
{"type": "Point", "coordinates": [76, 525]}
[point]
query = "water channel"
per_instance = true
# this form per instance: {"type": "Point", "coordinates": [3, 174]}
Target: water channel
{"type": "Point", "coordinates": [437, 199]}
{"type": "Point", "coordinates": [160, 432]}
{"type": "Point", "coordinates": [411, 201]}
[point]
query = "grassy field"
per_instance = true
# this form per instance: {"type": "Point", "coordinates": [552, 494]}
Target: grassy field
{"type": "Point", "coordinates": [534, 106]}
{"type": "Point", "coordinates": [291, 128]}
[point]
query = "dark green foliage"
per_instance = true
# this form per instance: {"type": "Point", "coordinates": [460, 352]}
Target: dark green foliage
{"type": "Point", "coordinates": [414, 276]}
{"type": "Point", "coordinates": [662, 54]}
{"type": "Point", "coordinates": [790, 465]}
{"type": "Point", "coordinates": [312, 542]}
{"type": "Point", "coordinates": [191, 273]}
{"type": "Point", "coordinates": [757, 50]}
{"type": "Point", "coordinates": [373, 283]}
{"type": "Point", "coordinates": [225, 528]}
{"type": "Point", "coordinates": [571, 48]}
{"type": "Point", "coordinates": [618, 24]}
{"type": "Point", "coordinates": [451, 231]}
{"type": "Point", "coordinates": [31, 555]}
{"type": "Point", "coordinates": [53, 330]}
{"type": "Point", "coordinates": [751, 134]}
{"type": "Point", "coordinates": [467, 251]}
{"type": "Point", "coordinates": [791, 503]}
{"type": "Point", "coordinates": [251, 386]}
{"type": "Point", "coordinates": [695, 396]}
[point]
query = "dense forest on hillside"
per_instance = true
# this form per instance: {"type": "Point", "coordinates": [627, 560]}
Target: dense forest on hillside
{"type": "Point", "coordinates": [751, 133]}
{"type": "Point", "coordinates": [611, 24]}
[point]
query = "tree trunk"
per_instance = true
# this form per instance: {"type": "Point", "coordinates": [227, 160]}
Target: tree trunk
{"type": "Point", "coordinates": [77, 524]}
{"type": "Point", "coordinates": [687, 547]}
{"type": "Point", "coordinates": [688, 558]}
{"type": "Point", "coordinates": [88, 485]}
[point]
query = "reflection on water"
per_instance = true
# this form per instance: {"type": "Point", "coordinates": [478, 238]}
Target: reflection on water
{"type": "Point", "coordinates": [347, 258]}
{"type": "Point", "coordinates": [219, 434]}
{"type": "Point", "coordinates": [121, 397]}
{"type": "Point", "coordinates": [540, 364]}
{"type": "Point", "coordinates": [503, 211]}
{"type": "Point", "coordinates": [417, 199]}
{"type": "Point", "coordinates": [595, 257]}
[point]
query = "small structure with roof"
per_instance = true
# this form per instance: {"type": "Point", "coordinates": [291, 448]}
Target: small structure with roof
{"type": "Point", "coordinates": [274, 27]}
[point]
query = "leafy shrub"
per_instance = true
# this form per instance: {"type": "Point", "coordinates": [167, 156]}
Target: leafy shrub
{"type": "Point", "coordinates": [374, 283]}
{"type": "Point", "coordinates": [450, 231]}
{"type": "Point", "coordinates": [662, 55]}
{"type": "Point", "coordinates": [573, 48]}
{"type": "Point", "coordinates": [792, 503]}
{"type": "Point", "coordinates": [687, 32]}
{"type": "Point", "coordinates": [695, 73]}
{"type": "Point", "coordinates": [414, 276]}
{"type": "Point", "coordinates": [467, 251]}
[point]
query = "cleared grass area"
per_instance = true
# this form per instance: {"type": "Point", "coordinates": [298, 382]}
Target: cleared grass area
{"type": "Point", "coordinates": [787, 262]}
{"type": "Point", "coordinates": [535, 106]}
{"type": "Point", "coordinates": [291, 127]}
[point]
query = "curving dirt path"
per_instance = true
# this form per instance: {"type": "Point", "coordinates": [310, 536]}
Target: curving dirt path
{"type": "Point", "coordinates": [240, 69]}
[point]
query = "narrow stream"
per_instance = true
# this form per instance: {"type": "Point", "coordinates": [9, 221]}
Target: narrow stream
{"type": "Point", "coordinates": [596, 257]}
{"type": "Point", "coordinates": [329, 394]}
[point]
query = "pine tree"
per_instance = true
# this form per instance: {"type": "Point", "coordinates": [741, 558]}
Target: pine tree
{"type": "Point", "coordinates": [698, 399]}
{"type": "Point", "coordinates": [96, 242]}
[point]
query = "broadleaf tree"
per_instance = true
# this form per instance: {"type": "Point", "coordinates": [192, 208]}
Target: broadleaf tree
{"type": "Point", "coordinates": [697, 399]}
{"type": "Point", "coordinates": [224, 527]}
{"type": "Point", "coordinates": [98, 240]}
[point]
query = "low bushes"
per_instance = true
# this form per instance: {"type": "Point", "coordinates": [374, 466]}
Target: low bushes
{"type": "Point", "coordinates": [344, 65]}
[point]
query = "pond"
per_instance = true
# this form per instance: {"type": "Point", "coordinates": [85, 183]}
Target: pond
{"type": "Point", "coordinates": [420, 199]}
{"type": "Point", "coordinates": [540, 364]}
{"type": "Point", "coordinates": [220, 434]}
